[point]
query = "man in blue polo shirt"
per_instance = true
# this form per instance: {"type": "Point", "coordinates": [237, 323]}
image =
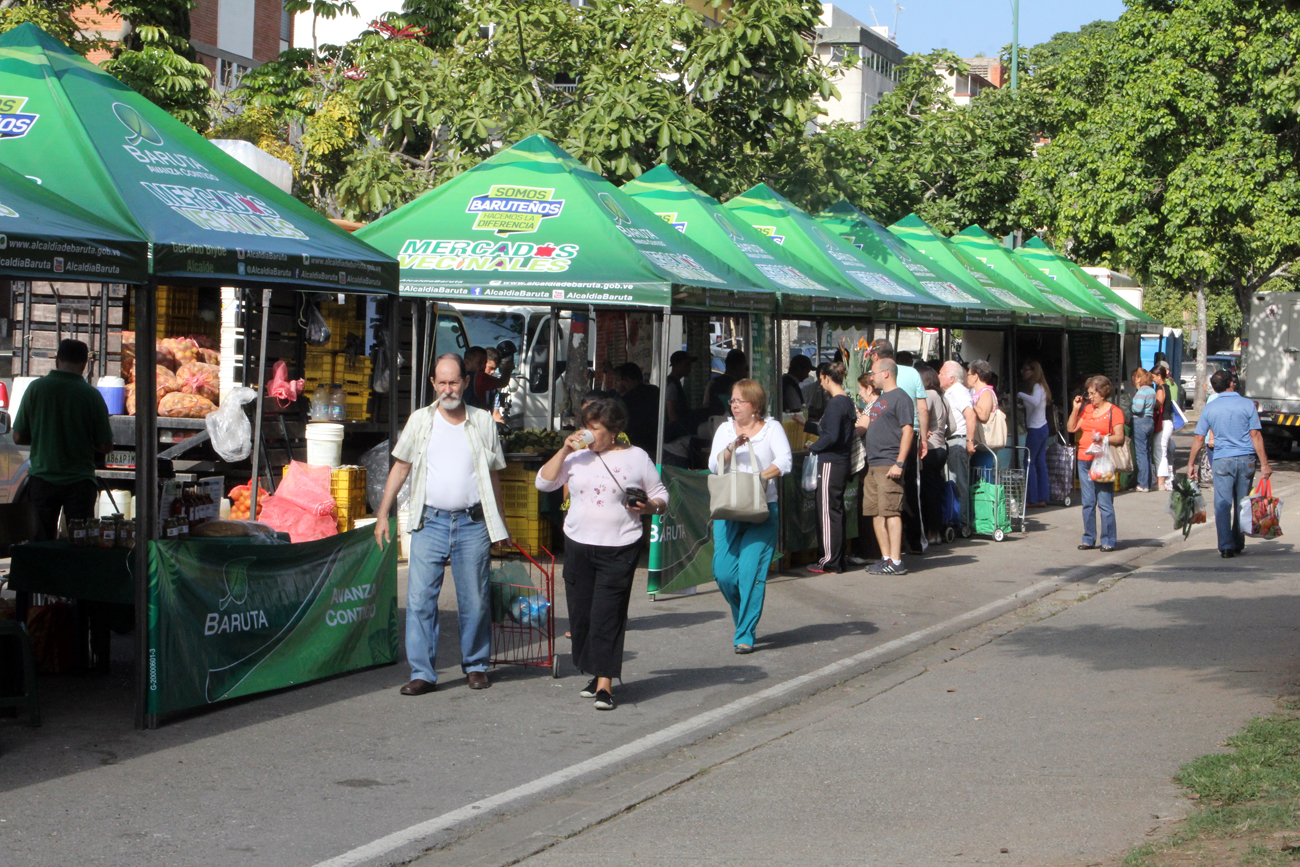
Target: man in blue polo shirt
{"type": "Point", "coordinates": [1237, 444]}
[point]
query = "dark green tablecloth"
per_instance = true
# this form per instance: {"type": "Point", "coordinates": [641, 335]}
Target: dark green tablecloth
{"type": "Point", "coordinates": [58, 569]}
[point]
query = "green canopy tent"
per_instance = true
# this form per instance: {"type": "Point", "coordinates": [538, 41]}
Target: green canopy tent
{"type": "Point", "coordinates": [876, 242]}
{"type": "Point", "coordinates": [534, 225]}
{"type": "Point", "coordinates": [210, 221]}
{"type": "Point", "coordinates": [1084, 312]}
{"type": "Point", "coordinates": [43, 236]}
{"type": "Point", "coordinates": [1030, 306]}
{"type": "Point", "coordinates": [93, 140]}
{"type": "Point", "coordinates": [755, 255]}
{"type": "Point", "coordinates": [836, 259]}
{"type": "Point", "coordinates": [1054, 265]}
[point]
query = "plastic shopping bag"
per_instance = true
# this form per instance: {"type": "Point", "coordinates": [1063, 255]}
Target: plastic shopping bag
{"type": "Point", "coordinates": [1186, 505]}
{"type": "Point", "coordinates": [1103, 466]}
{"type": "Point", "coordinates": [810, 473]}
{"type": "Point", "coordinates": [1261, 512]}
{"type": "Point", "coordinates": [229, 428]}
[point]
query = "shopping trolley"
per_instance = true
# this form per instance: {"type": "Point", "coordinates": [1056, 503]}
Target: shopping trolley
{"type": "Point", "coordinates": [522, 594]}
{"type": "Point", "coordinates": [998, 496]}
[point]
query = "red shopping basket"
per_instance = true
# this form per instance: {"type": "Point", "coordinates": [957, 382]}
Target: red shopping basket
{"type": "Point", "coordinates": [523, 611]}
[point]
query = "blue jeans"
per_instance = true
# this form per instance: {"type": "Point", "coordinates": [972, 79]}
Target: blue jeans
{"type": "Point", "coordinates": [742, 553]}
{"type": "Point", "coordinates": [1143, 429]}
{"type": "Point", "coordinates": [448, 538]}
{"type": "Point", "coordinates": [1233, 478]}
{"type": "Point", "coordinates": [1097, 497]}
{"type": "Point", "coordinates": [1037, 489]}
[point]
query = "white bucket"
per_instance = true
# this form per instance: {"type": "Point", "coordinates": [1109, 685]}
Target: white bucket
{"type": "Point", "coordinates": [324, 444]}
{"type": "Point", "coordinates": [124, 502]}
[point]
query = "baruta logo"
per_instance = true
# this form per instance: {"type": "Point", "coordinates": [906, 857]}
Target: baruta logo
{"type": "Point", "coordinates": [508, 209]}
{"type": "Point", "coordinates": [234, 576]}
{"type": "Point", "coordinates": [14, 122]}
{"type": "Point", "coordinates": [770, 231]}
{"type": "Point", "coordinates": [614, 208]}
{"type": "Point", "coordinates": [140, 129]}
{"type": "Point", "coordinates": [4, 242]}
{"type": "Point", "coordinates": [6, 211]}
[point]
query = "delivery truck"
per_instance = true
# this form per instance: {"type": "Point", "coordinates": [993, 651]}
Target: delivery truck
{"type": "Point", "coordinates": [1270, 373]}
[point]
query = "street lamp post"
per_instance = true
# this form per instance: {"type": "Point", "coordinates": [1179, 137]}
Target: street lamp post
{"type": "Point", "coordinates": [1015, 43]}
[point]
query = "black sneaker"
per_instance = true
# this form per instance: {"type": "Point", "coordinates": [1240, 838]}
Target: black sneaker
{"type": "Point", "coordinates": [589, 691]}
{"type": "Point", "coordinates": [892, 568]}
{"type": "Point", "coordinates": [604, 700]}
{"type": "Point", "coordinates": [878, 567]}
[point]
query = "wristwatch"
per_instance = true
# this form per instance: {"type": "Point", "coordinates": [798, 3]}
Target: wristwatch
{"type": "Point", "coordinates": [900, 464]}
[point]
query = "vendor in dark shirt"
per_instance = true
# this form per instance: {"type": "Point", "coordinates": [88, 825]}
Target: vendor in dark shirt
{"type": "Point", "coordinates": [65, 421]}
{"type": "Point", "coordinates": [832, 448]}
{"type": "Point", "coordinates": [642, 403]}
{"type": "Point", "coordinates": [792, 383]}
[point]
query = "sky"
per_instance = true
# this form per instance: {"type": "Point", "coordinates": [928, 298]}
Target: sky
{"type": "Point", "coordinates": [967, 27]}
{"type": "Point", "coordinates": [971, 27]}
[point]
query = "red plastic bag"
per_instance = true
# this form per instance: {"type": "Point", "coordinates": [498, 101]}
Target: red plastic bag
{"type": "Point", "coordinates": [286, 517]}
{"type": "Point", "coordinates": [281, 387]}
{"type": "Point", "coordinates": [308, 488]}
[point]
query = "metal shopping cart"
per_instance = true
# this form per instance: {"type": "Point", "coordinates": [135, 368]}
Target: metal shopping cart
{"type": "Point", "coordinates": [998, 496]}
{"type": "Point", "coordinates": [522, 593]}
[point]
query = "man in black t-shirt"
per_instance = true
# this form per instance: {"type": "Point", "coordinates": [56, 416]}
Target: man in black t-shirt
{"type": "Point", "coordinates": [792, 383]}
{"type": "Point", "coordinates": [889, 432]}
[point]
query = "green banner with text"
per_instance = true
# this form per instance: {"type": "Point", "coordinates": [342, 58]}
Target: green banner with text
{"type": "Point", "coordinates": [681, 542]}
{"type": "Point", "coordinates": [230, 618]}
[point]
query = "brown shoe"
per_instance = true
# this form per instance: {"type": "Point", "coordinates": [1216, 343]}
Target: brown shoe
{"type": "Point", "coordinates": [418, 687]}
{"type": "Point", "coordinates": [479, 680]}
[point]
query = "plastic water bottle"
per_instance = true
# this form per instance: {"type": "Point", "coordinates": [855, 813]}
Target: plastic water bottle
{"type": "Point", "coordinates": [338, 403]}
{"type": "Point", "coordinates": [530, 610]}
{"type": "Point", "coordinates": [320, 404]}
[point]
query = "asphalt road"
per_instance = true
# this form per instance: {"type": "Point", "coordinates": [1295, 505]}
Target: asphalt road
{"type": "Point", "coordinates": [305, 775]}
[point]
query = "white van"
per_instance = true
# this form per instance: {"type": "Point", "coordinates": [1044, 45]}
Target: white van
{"type": "Point", "coordinates": [528, 329]}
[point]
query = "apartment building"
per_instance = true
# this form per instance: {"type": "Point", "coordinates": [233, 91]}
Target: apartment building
{"type": "Point", "coordinates": [230, 36]}
{"type": "Point", "coordinates": [874, 73]}
{"type": "Point", "coordinates": [984, 73]}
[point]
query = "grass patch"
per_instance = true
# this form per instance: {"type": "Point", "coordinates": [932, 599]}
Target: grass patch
{"type": "Point", "coordinates": [1248, 802]}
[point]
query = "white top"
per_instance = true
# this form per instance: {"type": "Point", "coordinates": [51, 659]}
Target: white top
{"type": "Point", "coordinates": [597, 515]}
{"type": "Point", "coordinates": [957, 397]}
{"type": "Point", "coordinates": [485, 451]}
{"type": "Point", "coordinates": [1035, 407]}
{"type": "Point", "coordinates": [769, 447]}
{"type": "Point", "coordinates": [450, 481]}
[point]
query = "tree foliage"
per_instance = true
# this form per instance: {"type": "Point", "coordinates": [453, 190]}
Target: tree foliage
{"type": "Point", "coordinates": [621, 85]}
{"type": "Point", "coordinates": [1175, 147]}
{"type": "Point", "coordinates": [156, 60]}
{"type": "Point", "coordinates": [52, 16]}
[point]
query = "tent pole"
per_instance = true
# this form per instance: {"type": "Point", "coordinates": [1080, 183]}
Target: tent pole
{"type": "Point", "coordinates": [661, 380]}
{"type": "Point", "coordinates": [394, 326]}
{"type": "Point", "coordinates": [550, 368]}
{"type": "Point", "coordinates": [1013, 374]}
{"type": "Point", "coordinates": [146, 484]}
{"type": "Point", "coordinates": [257, 419]}
{"type": "Point", "coordinates": [417, 361]}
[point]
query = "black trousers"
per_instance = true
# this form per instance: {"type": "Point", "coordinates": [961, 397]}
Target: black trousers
{"type": "Point", "coordinates": [913, 532]}
{"type": "Point", "coordinates": [831, 479]}
{"type": "Point", "coordinates": [76, 500]}
{"type": "Point", "coordinates": [598, 589]}
{"type": "Point", "coordinates": [933, 486]}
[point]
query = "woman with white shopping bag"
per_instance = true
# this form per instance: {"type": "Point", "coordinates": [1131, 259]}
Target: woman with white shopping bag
{"type": "Point", "coordinates": [750, 452]}
{"type": "Point", "coordinates": [1102, 425]}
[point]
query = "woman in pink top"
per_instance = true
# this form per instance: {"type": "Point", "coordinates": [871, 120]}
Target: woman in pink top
{"type": "Point", "coordinates": [611, 486]}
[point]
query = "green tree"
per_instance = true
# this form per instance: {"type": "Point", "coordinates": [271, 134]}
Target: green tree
{"type": "Point", "coordinates": [621, 85]}
{"type": "Point", "coordinates": [1055, 50]}
{"type": "Point", "coordinates": [52, 16]}
{"type": "Point", "coordinates": [1176, 148]}
{"type": "Point", "coordinates": [156, 60]}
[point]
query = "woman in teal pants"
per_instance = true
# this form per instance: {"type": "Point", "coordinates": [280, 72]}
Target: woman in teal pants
{"type": "Point", "coordinates": [742, 552]}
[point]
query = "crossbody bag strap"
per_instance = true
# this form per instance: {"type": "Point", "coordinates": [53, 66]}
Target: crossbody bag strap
{"type": "Point", "coordinates": [608, 470]}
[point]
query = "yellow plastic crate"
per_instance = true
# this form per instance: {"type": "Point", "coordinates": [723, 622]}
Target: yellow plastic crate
{"type": "Point", "coordinates": [520, 498]}
{"type": "Point", "coordinates": [531, 534]}
{"type": "Point", "coordinates": [518, 472]}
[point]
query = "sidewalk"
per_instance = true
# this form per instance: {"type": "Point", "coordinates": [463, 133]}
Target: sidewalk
{"type": "Point", "coordinates": [1052, 745]}
{"type": "Point", "coordinates": [303, 775]}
